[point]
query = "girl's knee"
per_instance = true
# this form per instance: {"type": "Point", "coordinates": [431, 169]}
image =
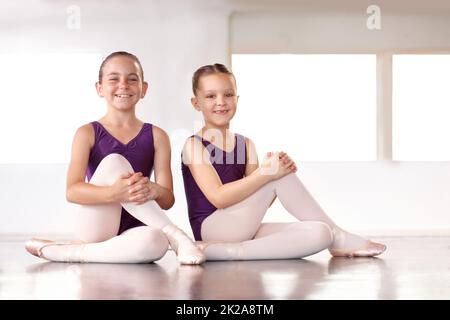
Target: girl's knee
{"type": "Point", "coordinates": [116, 160]}
{"type": "Point", "coordinates": [289, 177]}
{"type": "Point", "coordinates": [110, 168]}
{"type": "Point", "coordinates": [152, 245]}
{"type": "Point", "coordinates": [319, 232]}
{"type": "Point", "coordinates": [324, 234]}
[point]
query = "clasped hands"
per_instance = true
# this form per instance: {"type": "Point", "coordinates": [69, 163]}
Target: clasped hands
{"type": "Point", "coordinates": [277, 165]}
{"type": "Point", "coordinates": [134, 188]}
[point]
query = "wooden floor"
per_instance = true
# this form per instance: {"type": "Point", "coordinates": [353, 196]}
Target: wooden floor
{"type": "Point", "coordinates": [411, 268]}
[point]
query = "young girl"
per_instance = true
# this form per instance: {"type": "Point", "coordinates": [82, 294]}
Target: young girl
{"type": "Point", "coordinates": [228, 193]}
{"type": "Point", "coordinates": [121, 218]}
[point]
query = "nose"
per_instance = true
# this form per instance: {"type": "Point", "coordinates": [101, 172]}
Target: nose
{"type": "Point", "coordinates": [220, 100]}
{"type": "Point", "coordinates": [123, 83]}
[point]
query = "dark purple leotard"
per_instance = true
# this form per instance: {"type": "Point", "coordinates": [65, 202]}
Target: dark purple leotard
{"type": "Point", "coordinates": [139, 152]}
{"type": "Point", "coordinates": [230, 166]}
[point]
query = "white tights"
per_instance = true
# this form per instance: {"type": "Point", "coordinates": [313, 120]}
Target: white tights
{"type": "Point", "coordinates": [240, 235]}
{"type": "Point", "coordinates": [97, 227]}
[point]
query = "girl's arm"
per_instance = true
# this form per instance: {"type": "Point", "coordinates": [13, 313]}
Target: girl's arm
{"type": "Point", "coordinates": [81, 192]}
{"type": "Point", "coordinates": [196, 157]}
{"type": "Point", "coordinates": [163, 174]}
{"type": "Point", "coordinates": [252, 157]}
{"type": "Point", "coordinates": [252, 161]}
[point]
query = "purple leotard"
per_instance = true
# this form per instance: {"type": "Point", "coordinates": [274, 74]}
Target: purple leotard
{"type": "Point", "coordinates": [139, 152]}
{"type": "Point", "coordinates": [230, 166]}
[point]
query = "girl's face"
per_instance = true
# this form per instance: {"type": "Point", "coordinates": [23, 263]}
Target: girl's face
{"type": "Point", "coordinates": [122, 85]}
{"type": "Point", "coordinates": [216, 98]}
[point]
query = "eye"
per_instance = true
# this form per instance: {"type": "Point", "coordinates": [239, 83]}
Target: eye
{"type": "Point", "coordinates": [133, 79]}
{"type": "Point", "coordinates": [112, 79]}
{"type": "Point", "coordinates": [229, 95]}
{"type": "Point", "coordinates": [210, 96]}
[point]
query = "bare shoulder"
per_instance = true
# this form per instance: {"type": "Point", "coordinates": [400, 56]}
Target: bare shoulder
{"type": "Point", "coordinates": [192, 143]}
{"type": "Point", "coordinates": [86, 129]}
{"type": "Point", "coordinates": [192, 149]}
{"type": "Point", "coordinates": [159, 134]}
{"type": "Point", "coordinates": [249, 142]}
{"type": "Point", "coordinates": [86, 134]}
{"type": "Point", "coordinates": [160, 138]}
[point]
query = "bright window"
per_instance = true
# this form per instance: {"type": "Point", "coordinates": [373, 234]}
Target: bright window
{"type": "Point", "coordinates": [421, 107]}
{"type": "Point", "coordinates": [316, 107]}
{"type": "Point", "coordinates": [45, 98]}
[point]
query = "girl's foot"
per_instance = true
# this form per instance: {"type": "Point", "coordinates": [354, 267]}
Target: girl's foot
{"type": "Point", "coordinates": [35, 246]}
{"type": "Point", "coordinates": [221, 250]}
{"type": "Point", "coordinates": [187, 252]}
{"type": "Point", "coordinates": [371, 249]}
{"type": "Point", "coordinates": [347, 244]}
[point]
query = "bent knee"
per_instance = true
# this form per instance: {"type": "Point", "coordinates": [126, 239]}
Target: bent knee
{"type": "Point", "coordinates": [152, 245]}
{"type": "Point", "coordinates": [318, 231]}
{"type": "Point", "coordinates": [114, 157]}
{"type": "Point", "coordinates": [324, 234]}
{"type": "Point", "coordinates": [113, 165]}
{"type": "Point", "coordinates": [117, 161]}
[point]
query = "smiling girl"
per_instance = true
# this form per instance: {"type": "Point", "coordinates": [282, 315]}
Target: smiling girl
{"type": "Point", "coordinates": [121, 218]}
{"type": "Point", "coordinates": [228, 193]}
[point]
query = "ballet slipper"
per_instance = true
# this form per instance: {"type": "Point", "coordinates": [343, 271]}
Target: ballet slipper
{"type": "Point", "coordinates": [34, 246]}
{"type": "Point", "coordinates": [371, 249]}
{"type": "Point", "coordinates": [187, 252]}
{"type": "Point", "coordinates": [233, 249]}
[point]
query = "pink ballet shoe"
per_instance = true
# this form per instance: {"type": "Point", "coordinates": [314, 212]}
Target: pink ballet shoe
{"type": "Point", "coordinates": [233, 249]}
{"type": "Point", "coordinates": [372, 249]}
{"type": "Point", "coordinates": [34, 246]}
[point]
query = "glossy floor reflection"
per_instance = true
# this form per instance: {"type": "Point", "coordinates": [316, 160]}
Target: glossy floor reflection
{"type": "Point", "coordinates": [412, 268]}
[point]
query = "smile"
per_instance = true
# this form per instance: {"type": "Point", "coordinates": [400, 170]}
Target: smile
{"type": "Point", "coordinates": [123, 95]}
{"type": "Point", "coordinates": [221, 111]}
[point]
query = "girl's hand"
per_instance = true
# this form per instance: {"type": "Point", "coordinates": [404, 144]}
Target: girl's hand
{"type": "Point", "coordinates": [120, 190]}
{"type": "Point", "coordinates": [144, 190]}
{"type": "Point", "coordinates": [287, 162]}
{"type": "Point", "coordinates": [277, 165]}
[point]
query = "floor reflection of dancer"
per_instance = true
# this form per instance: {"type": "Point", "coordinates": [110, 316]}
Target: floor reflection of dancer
{"type": "Point", "coordinates": [268, 279]}
{"type": "Point", "coordinates": [104, 281]}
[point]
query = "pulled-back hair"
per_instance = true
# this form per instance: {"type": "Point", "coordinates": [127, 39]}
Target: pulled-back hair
{"type": "Point", "coordinates": [123, 54]}
{"type": "Point", "coordinates": [206, 71]}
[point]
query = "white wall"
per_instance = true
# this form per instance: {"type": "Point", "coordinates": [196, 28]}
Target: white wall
{"type": "Point", "coordinates": [172, 39]}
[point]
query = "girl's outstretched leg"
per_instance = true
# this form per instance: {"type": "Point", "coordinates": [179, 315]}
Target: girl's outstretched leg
{"type": "Point", "coordinates": [241, 222]}
{"type": "Point", "coordinates": [274, 241]}
{"type": "Point", "coordinates": [298, 201]}
{"type": "Point", "coordinates": [136, 245]}
{"type": "Point", "coordinates": [236, 232]}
